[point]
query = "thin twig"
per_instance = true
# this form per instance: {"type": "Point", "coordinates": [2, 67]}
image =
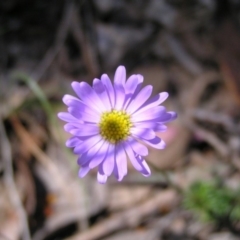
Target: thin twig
{"type": "Point", "coordinates": [33, 148]}
{"type": "Point", "coordinates": [190, 97]}
{"type": "Point", "coordinates": [128, 218]}
{"type": "Point", "coordinates": [59, 41]}
{"type": "Point", "coordinates": [166, 176]}
{"type": "Point", "coordinates": [88, 55]}
{"type": "Point", "coordinates": [9, 181]}
{"type": "Point", "coordinates": [209, 137]}
{"type": "Point", "coordinates": [186, 60]}
{"type": "Point", "coordinates": [216, 118]}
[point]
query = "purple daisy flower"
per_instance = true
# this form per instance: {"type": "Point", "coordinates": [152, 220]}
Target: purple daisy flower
{"type": "Point", "coordinates": [111, 123]}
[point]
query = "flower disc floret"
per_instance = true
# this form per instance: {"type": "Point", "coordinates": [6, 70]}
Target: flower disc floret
{"type": "Point", "coordinates": [115, 126]}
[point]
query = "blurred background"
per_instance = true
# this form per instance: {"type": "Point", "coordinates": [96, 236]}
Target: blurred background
{"type": "Point", "coordinates": [190, 49]}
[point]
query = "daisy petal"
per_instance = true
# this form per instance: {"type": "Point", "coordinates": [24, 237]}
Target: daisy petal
{"type": "Point", "coordinates": [85, 130]}
{"type": "Point", "coordinates": [132, 88]}
{"type": "Point", "coordinates": [102, 178]}
{"type": "Point", "coordinates": [87, 144]}
{"type": "Point", "coordinates": [102, 93]}
{"type": "Point", "coordinates": [170, 117]}
{"type": "Point", "coordinates": [140, 99]}
{"type": "Point", "coordinates": [68, 127]}
{"type": "Point", "coordinates": [88, 95]}
{"type": "Point", "coordinates": [89, 155]}
{"type": "Point", "coordinates": [120, 97]}
{"type": "Point", "coordinates": [84, 116]}
{"type": "Point", "coordinates": [121, 162]}
{"type": "Point", "coordinates": [151, 125]}
{"type": "Point", "coordinates": [157, 143]}
{"type": "Point", "coordinates": [119, 83]}
{"type": "Point", "coordinates": [166, 117]}
{"type": "Point", "coordinates": [88, 118]}
{"type": "Point", "coordinates": [146, 172]}
{"type": "Point", "coordinates": [153, 102]}
{"type": "Point", "coordinates": [108, 163]}
{"type": "Point", "coordinates": [140, 81]}
{"type": "Point", "coordinates": [109, 87]}
{"type": "Point", "coordinates": [132, 157]}
{"type": "Point", "coordinates": [137, 147]}
{"type": "Point", "coordinates": [131, 84]}
{"type": "Point", "coordinates": [143, 133]}
{"type": "Point", "coordinates": [100, 156]}
{"type": "Point", "coordinates": [75, 112]}
{"type": "Point", "coordinates": [160, 128]}
{"type": "Point", "coordinates": [72, 142]}
{"type": "Point", "coordinates": [83, 171]}
{"type": "Point", "coordinates": [150, 114]}
{"type": "Point", "coordinates": [81, 107]}
{"type": "Point", "coordinates": [120, 76]}
{"type": "Point", "coordinates": [68, 98]}
{"type": "Point", "coordinates": [67, 117]}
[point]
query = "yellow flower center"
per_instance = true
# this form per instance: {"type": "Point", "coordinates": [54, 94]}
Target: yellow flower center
{"type": "Point", "coordinates": [115, 126]}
